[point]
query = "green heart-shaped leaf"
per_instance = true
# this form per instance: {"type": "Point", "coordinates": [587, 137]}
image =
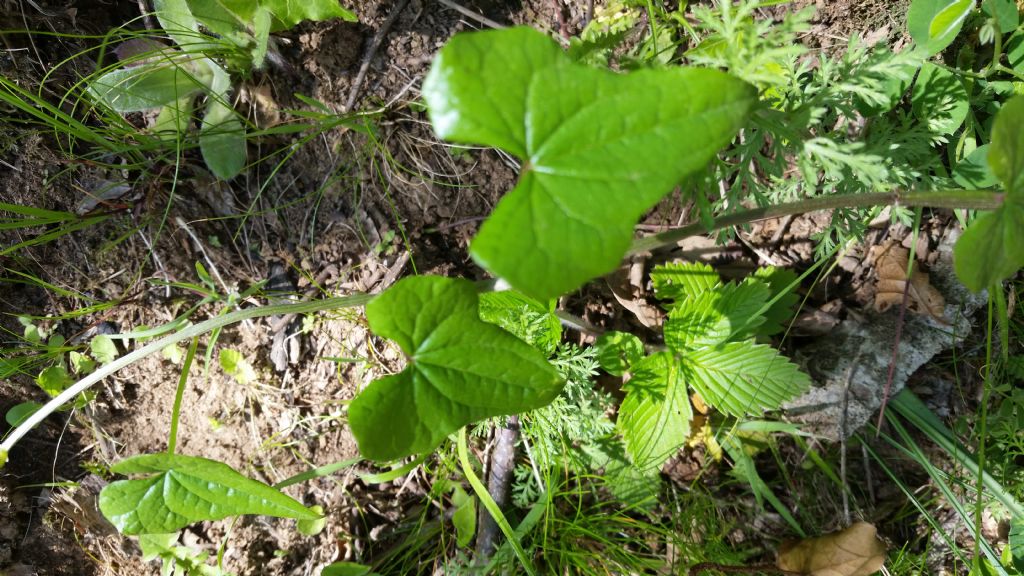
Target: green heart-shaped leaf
{"type": "Point", "coordinates": [461, 369]}
{"type": "Point", "coordinates": [187, 489]}
{"type": "Point", "coordinates": [598, 148]}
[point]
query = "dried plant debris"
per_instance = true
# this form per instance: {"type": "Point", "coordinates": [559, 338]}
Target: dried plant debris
{"type": "Point", "coordinates": [891, 263]}
{"type": "Point", "coordinates": [851, 365]}
{"type": "Point", "coordinates": [855, 551]}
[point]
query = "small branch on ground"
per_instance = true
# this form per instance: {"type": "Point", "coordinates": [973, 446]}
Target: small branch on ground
{"type": "Point", "coordinates": [472, 15]}
{"type": "Point", "coordinates": [353, 94]}
{"type": "Point", "coordinates": [895, 354]}
{"type": "Point", "coordinates": [499, 481]}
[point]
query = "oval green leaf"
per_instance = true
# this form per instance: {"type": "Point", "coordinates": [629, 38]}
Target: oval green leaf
{"type": "Point", "coordinates": [1006, 152]}
{"type": "Point", "coordinates": [598, 148]}
{"type": "Point", "coordinates": [934, 24]}
{"type": "Point", "coordinates": [460, 370]}
{"type": "Point", "coordinates": [939, 99]}
{"type": "Point", "coordinates": [974, 172]}
{"type": "Point", "coordinates": [147, 86]}
{"type": "Point", "coordinates": [186, 489]}
{"type": "Point", "coordinates": [991, 248]}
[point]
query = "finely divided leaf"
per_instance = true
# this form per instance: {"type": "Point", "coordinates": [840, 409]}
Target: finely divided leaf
{"type": "Point", "coordinates": [461, 369]}
{"type": "Point", "coordinates": [742, 378]}
{"type": "Point", "coordinates": [654, 418]}
{"type": "Point", "coordinates": [711, 318]}
{"type": "Point", "coordinates": [678, 281]}
{"type": "Point", "coordinates": [598, 148]}
{"type": "Point", "coordinates": [187, 489]}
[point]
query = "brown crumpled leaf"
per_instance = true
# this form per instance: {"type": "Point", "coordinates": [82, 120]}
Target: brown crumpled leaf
{"type": "Point", "coordinates": [855, 551]}
{"type": "Point", "coordinates": [891, 266]}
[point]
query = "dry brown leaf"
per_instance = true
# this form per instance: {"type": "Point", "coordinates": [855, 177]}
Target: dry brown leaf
{"type": "Point", "coordinates": [891, 267]}
{"type": "Point", "coordinates": [856, 551]}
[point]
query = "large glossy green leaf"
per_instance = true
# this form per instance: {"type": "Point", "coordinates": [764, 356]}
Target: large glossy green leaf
{"type": "Point", "coordinates": [934, 24]}
{"type": "Point", "coordinates": [598, 148]}
{"type": "Point", "coordinates": [460, 370]}
{"type": "Point", "coordinates": [654, 418]}
{"type": "Point", "coordinates": [991, 248]}
{"type": "Point", "coordinates": [147, 86]}
{"type": "Point", "coordinates": [227, 15]}
{"type": "Point", "coordinates": [185, 489]}
{"type": "Point", "coordinates": [740, 378]}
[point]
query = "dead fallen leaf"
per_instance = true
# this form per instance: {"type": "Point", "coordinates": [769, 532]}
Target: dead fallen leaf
{"type": "Point", "coordinates": [855, 551]}
{"type": "Point", "coordinates": [891, 267]}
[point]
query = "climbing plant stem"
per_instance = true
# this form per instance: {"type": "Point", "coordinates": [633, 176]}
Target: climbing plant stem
{"type": "Point", "coordinates": [971, 199]}
{"type": "Point", "coordinates": [157, 345]}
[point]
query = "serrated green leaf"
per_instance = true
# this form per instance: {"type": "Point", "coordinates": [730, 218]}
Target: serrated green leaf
{"type": "Point", "coordinates": [991, 249]}
{"type": "Point", "coordinates": [934, 24]}
{"type": "Point", "coordinates": [617, 351]}
{"type": "Point", "coordinates": [187, 489]}
{"type": "Point", "coordinates": [460, 370]}
{"type": "Point", "coordinates": [19, 412]}
{"type": "Point", "coordinates": [779, 314]}
{"type": "Point", "coordinates": [939, 99]}
{"type": "Point", "coordinates": [974, 171]}
{"type": "Point", "coordinates": [585, 180]}
{"type": "Point", "coordinates": [654, 418]}
{"type": "Point", "coordinates": [103, 349]}
{"type": "Point", "coordinates": [288, 13]}
{"type": "Point", "coordinates": [740, 378]}
{"type": "Point", "coordinates": [1006, 151]}
{"type": "Point", "coordinates": [679, 281]}
{"type": "Point", "coordinates": [147, 86]}
{"type": "Point", "coordinates": [155, 545]}
{"type": "Point", "coordinates": [724, 313]}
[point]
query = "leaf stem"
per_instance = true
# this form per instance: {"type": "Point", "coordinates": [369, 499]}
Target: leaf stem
{"type": "Point", "coordinates": [179, 394]}
{"type": "Point", "coordinates": [974, 199]}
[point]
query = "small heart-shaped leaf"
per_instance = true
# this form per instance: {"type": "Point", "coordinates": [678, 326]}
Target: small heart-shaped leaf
{"type": "Point", "coordinates": [187, 489]}
{"type": "Point", "coordinates": [599, 148]}
{"type": "Point", "coordinates": [461, 369]}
